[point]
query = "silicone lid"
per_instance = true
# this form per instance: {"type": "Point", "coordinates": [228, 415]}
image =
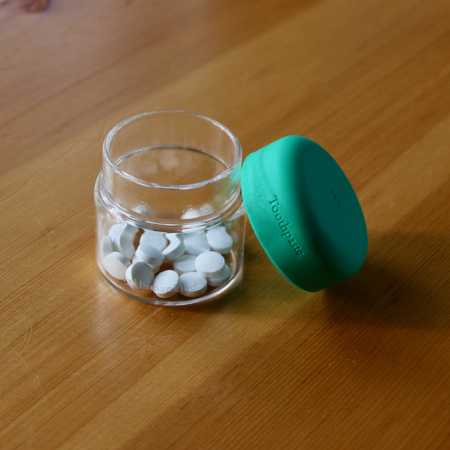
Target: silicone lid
{"type": "Point", "coordinates": [304, 212]}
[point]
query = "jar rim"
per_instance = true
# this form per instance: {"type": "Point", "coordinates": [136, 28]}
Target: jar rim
{"type": "Point", "coordinates": [225, 173]}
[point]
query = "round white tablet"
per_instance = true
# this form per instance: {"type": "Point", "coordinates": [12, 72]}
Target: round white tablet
{"type": "Point", "coordinates": [149, 254]}
{"type": "Point", "coordinates": [116, 265]}
{"type": "Point", "coordinates": [220, 279]}
{"type": "Point", "coordinates": [196, 242]}
{"type": "Point", "coordinates": [155, 239]}
{"type": "Point", "coordinates": [184, 263]}
{"type": "Point", "coordinates": [115, 230]}
{"type": "Point", "coordinates": [209, 264]}
{"type": "Point", "coordinates": [124, 244]}
{"type": "Point", "coordinates": [130, 230]}
{"type": "Point", "coordinates": [107, 246]}
{"type": "Point", "coordinates": [219, 240]}
{"type": "Point", "coordinates": [155, 269]}
{"type": "Point", "coordinates": [139, 276]}
{"type": "Point", "coordinates": [166, 284]}
{"type": "Point", "coordinates": [192, 284]}
{"type": "Point", "coordinates": [175, 247]}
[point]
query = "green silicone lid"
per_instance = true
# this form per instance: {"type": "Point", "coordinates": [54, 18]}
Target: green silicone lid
{"type": "Point", "coordinates": [304, 212]}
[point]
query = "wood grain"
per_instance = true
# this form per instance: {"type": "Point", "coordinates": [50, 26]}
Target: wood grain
{"type": "Point", "coordinates": [362, 365]}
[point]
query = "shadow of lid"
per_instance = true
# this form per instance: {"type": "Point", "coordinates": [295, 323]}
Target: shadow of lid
{"type": "Point", "coordinates": [404, 281]}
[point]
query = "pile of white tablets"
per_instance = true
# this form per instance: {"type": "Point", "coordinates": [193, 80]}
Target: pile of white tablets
{"type": "Point", "coordinates": [195, 259]}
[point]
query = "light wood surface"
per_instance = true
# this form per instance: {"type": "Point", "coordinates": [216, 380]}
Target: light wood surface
{"type": "Point", "coordinates": [363, 365]}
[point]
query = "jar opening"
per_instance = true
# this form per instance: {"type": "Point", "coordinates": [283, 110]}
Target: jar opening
{"type": "Point", "coordinates": [167, 152]}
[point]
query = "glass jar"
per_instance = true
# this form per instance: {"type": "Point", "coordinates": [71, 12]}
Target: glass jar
{"type": "Point", "coordinates": [170, 181]}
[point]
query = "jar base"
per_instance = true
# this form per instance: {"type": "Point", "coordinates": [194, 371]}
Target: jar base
{"type": "Point", "coordinates": [217, 293]}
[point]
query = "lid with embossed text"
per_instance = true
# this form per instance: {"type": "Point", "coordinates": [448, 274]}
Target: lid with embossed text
{"type": "Point", "coordinates": [304, 212]}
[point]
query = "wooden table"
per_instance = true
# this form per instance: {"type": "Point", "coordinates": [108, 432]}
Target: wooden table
{"type": "Point", "coordinates": [363, 365]}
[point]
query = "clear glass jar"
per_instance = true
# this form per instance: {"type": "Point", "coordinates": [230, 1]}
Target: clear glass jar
{"type": "Point", "coordinates": [171, 180]}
